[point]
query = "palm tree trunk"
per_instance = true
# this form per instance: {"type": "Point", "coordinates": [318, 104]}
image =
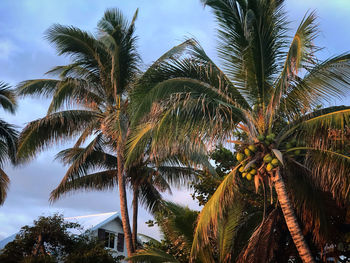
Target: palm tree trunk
{"type": "Point", "coordinates": [135, 203]}
{"type": "Point", "coordinates": [291, 220]}
{"type": "Point", "coordinates": [124, 205]}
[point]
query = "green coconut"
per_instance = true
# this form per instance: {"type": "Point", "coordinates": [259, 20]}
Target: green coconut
{"type": "Point", "coordinates": [269, 167]}
{"type": "Point", "coordinates": [240, 157]}
{"type": "Point", "coordinates": [252, 148]}
{"type": "Point", "coordinates": [267, 158]}
{"type": "Point", "coordinates": [274, 162]}
{"type": "Point", "coordinates": [253, 172]}
{"type": "Point", "coordinates": [261, 137]}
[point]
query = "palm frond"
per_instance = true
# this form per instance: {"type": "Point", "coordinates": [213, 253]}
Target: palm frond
{"type": "Point", "coordinates": [35, 87]}
{"type": "Point", "coordinates": [118, 36]}
{"type": "Point", "coordinates": [208, 218]}
{"type": "Point", "coordinates": [227, 230]}
{"type": "Point", "coordinates": [300, 55]}
{"type": "Point", "coordinates": [264, 242]}
{"type": "Point", "coordinates": [4, 184]}
{"type": "Point", "coordinates": [152, 255]}
{"type": "Point", "coordinates": [41, 133]}
{"type": "Point", "coordinates": [74, 91]}
{"type": "Point", "coordinates": [103, 180]}
{"type": "Point", "coordinates": [324, 82]}
{"type": "Point", "coordinates": [252, 38]}
{"type": "Point", "coordinates": [7, 98]}
{"type": "Point", "coordinates": [9, 138]}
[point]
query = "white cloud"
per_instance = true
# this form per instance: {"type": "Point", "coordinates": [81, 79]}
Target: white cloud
{"type": "Point", "coordinates": [7, 48]}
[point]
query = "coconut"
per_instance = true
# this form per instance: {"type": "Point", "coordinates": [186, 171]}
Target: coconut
{"type": "Point", "coordinates": [267, 158]}
{"type": "Point", "coordinates": [274, 162]}
{"type": "Point", "coordinates": [269, 167]}
{"type": "Point", "coordinates": [240, 157]}
{"type": "Point", "coordinates": [253, 172]}
{"type": "Point", "coordinates": [261, 137]}
{"type": "Point", "coordinates": [252, 148]}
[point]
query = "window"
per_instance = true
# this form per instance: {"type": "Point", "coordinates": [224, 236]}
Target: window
{"type": "Point", "coordinates": [109, 239]}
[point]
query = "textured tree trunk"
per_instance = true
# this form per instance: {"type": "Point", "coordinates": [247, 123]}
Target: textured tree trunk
{"type": "Point", "coordinates": [124, 205]}
{"type": "Point", "coordinates": [135, 207]}
{"type": "Point", "coordinates": [291, 220]}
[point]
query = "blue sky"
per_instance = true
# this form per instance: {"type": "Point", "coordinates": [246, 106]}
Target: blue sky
{"type": "Point", "coordinates": [161, 24]}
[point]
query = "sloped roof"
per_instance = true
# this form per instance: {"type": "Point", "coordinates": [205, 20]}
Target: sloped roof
{"type": "Point", "coordinates": [9, 239]}
{"type": "Point", "coordinates": [92, 222]}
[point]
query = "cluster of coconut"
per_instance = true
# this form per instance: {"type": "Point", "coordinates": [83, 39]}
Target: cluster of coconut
{"type": "Point", "coordinates": [265, 161]}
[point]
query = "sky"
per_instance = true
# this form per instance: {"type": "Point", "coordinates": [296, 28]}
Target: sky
{"type": "Point", "coordinates": [161, 24]}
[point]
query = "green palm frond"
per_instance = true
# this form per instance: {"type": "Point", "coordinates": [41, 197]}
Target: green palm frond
{"type": "Point", "coordinates": [152, 256]}
{"type": "Point", "coordinates": [181, 222]}
{"type": "Point", "coordinates": [227, 230]}
{"type": "Point", "coordinates": [118, 36]}
{"type": "Point", "coordinates": [7, 98]}
{"type": "Point", "coordinates": [4, 184]}
{"type": "Point", "coordinates": [8, 139]}
{"type": "Point", "coordinates": [251, 42]}
{"type": "Point", "coordinates": [83, 160]}
{"type": "Point", "coordinates": [317, 124]}
{"type": "Point", "coordinates": [150, 196]}
{"type": "Point", "coordinates": [300, 55]}
{"type": "Point", "coordinates": [103, 180]}
{"type": "Point", "coordinates": [215, 208]}
{"type": "Point", "coordinates": [42, 133]}
{"type": "Point", "coordinates": [324, 82]}
{"type": "Point", "coordinates": [80, 45]}
{"type": "Point", "coordinates": [74, 91]}
{"type": "Point", "coordinates": [37, 87]}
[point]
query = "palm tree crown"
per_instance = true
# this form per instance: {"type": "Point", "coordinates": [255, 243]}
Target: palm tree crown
{"type": "Point", "coordinates": [267, 91]}
{"type": "Point", "coordinates": [89, 98]}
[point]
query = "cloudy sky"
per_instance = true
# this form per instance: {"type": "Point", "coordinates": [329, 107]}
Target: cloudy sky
{"type": "Point", "coordinates": [161, 24]}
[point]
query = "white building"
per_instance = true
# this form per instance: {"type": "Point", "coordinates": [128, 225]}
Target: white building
{"type": "Point", "coordinates": [106, 226]}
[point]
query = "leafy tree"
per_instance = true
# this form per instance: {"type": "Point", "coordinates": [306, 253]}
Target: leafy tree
{"type": "Point", "coordinates": [8, 137]}
{"type": "Point", "coordinates": [271, 85]}
{"type": "Point", "coordinates": [50, 240]}
{"type": "Point", "coordinates": [206, 184]}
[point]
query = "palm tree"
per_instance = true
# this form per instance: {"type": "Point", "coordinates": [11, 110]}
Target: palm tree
{"type": "Point", "coordinates": [8, 137]}
{"type": "Point", "coordinates": [95, 169]}
{"type": "Point", "coordinates": [177, 224]}
{"type": "Point", "coordinates": [267, 91]}
{"type": "Point", "coordinates": [89, 97]}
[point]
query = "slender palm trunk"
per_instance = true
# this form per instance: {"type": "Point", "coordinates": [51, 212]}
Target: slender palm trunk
{"type": "Point", "coordinates": [291, 220]}
{"type": "Point", "coordinates": [124, 205]}
{"type": "Point", "coordinates": [135, 207]}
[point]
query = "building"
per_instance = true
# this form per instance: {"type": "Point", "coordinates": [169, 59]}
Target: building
{"type": "Point", "coordinates": [105, 226]}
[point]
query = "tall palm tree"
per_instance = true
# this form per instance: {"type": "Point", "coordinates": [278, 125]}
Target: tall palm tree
{"type": "Point", "coordinates": [8, 137]}
{"type": "Point", "coordinates": [89, 97]}
{"type": "Point", "coordinates": [95, 169]}
{"type": "Point", "coordinates": [267, 91]}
